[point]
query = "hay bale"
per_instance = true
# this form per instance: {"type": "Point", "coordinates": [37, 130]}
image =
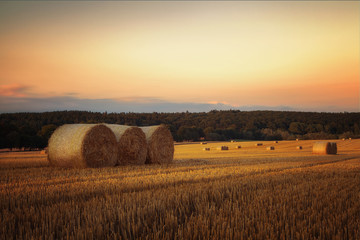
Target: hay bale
{"type": "Point", "coordinates": [203, 143]}
{"type": "Point", "coordinates": [258, 144]}
{"type": "Point", "coordinates": [275, 141]}
{"type": "Point", "coordinates": [270, 148]}
{"type": "Point", "coordinates": [324, 148]}
{"type": "Point", "coordinates": [223, 148]}
{"type": "Point", "coordinates": [238, 147]}
{"type": "Point", "coordinates": [298, 147]}
{"type": "Point", "coordinates": [160, 144]}
{"type": "Point", "coordinates": [131, 143]}
{"type": "Point", "coordinates": [206, 149]}
{"type": "Point", "coordinates": [82, 145]}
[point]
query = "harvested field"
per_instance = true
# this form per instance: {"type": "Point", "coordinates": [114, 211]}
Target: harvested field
{"type": "Point", "coordinates": [235, 194]}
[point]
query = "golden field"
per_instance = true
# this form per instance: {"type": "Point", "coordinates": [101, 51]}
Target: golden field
{"type": "Point", "coordinates": [246, 193]}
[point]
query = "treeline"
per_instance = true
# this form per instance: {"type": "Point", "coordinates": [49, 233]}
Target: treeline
{"type": "Point", "coordinates": [32, 130]}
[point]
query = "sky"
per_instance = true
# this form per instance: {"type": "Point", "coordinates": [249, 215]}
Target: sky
{"type": "Point", "coordinates": [170, 56]}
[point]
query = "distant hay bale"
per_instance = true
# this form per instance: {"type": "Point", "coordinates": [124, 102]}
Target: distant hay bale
{"type": "Point", "coordinates": [275, 141]}
{"type": "Point", "coordinates": [43, 152]}
{"type": "Point", "coordinates": [297, 139]}
{"type": "Point", "coordinates": [349, 138]}
{"type": "Point", "coordinates": [324, 148]}
{"type": "Point", "coordinates": [160, 144]}
{"type": "Point", "coordinates": [131, 144]}
{"type": "Point", "coordinates": [258, 144]}
{"type": "Point", "coordinates": [206, 149]}
{"type": "Point", "coordinates": [298, 147]}
{"type": "Point", "coordinates": [223, 148]}
{"type": "Point", "coordinates": [343, 139]}
{"type": "Point", "coordinates": [238, 147]}
{"type": "Point", "coordinates": [270, 148]}
{"type": "Point", "coordinates": [203, 143]}
{"type": "Point", "coordinates": [82, 145]}
{"type": "Point", "coordinates": [232, 141]}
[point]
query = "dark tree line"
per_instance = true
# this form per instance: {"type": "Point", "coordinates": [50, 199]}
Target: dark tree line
{"type": "Point", "coordinates": [32, 130]}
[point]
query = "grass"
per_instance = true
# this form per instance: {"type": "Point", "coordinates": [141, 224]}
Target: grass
{"type": "Point", "coordinates": [246, 193]}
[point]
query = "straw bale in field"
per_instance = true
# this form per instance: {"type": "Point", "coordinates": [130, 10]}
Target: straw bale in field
{"type": "Point", "coordinates": [275, 141]}
{"type": "Point", "coordinates": [223, 148]}
{"type": "Point", "coordinates": [203, 143]}
{"type": "Point", "coordinates": [324, 148]}
{"type": "Point", "coordinates": [270, 148]}
{"type": "Point", "coordinates": [258, 144]}
{"type": "Point", "coordinates": [131, 144]}
{"type": "Point", "coordinates": [82, 145]}
{"type": "Point", "coordinates": [238, 147]}
{"type": "Point", "coordinates": [160, 144]}
{"type": "Point", "coordinates": [299, 147]}
{"type": "Point", "coordinates": [206, 149]}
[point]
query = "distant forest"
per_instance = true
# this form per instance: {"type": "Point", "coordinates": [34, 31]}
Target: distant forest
{"type": "Point", "coordinates": [32, 130]}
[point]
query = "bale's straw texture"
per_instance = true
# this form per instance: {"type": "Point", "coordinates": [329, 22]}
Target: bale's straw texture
{"type": "Point", "coordinates": [160, 144]}
{"type": "Point", "coordinates": [82, 145]}
{"type": "Point", "coordinates": [131, 144]}
{"type": "Point", "coordinates": [270, 148]}
{"type": "Point", "coordinates": [325, 148]}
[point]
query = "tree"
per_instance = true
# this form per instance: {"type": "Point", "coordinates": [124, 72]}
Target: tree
{"type": "Point", "coordinates": [297, 128]}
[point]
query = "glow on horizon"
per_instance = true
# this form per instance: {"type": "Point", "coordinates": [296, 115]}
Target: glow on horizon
{"type": "Point", "coordinates": [240, 53]}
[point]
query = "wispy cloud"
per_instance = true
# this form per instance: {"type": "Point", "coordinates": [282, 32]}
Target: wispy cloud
{"type": "Point", "coordinates": [10, 104]}
{"type": "Point", "coordinates": [13, 90]}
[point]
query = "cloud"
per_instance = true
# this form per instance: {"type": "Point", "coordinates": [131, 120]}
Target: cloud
{"type": "Point", "coordinates": [13, 90]}
{"type": "Point", "coordinates": [11, 104]}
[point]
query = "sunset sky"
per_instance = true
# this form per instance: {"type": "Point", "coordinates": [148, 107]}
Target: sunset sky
{"type": "Point", "coordinates": [179, 55]}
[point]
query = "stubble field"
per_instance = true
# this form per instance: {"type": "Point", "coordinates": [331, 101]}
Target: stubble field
{"type": "Point", "coordinates": [246, 193]}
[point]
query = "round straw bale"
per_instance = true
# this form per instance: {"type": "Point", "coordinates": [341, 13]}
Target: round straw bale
{"type": "Point", "coordinates": [270, 148]}
{"type": "Point", "coordinates": [238, 147]}
{"type": "Point", "coordinates": [324, 148]}
{"type": "Point", "coordinates": [298, 147]}
{"type": "Point", "coordinates": [82, 145]}
{"type": "Point", "coordinates": [160, 144]}
{"type": "Point", "coordinates": [131, 144]}
{"type": "Point", "coordinates": [223, 148]}
{"type": "Point", "coordinates": [206, 149]}
{"type": "Point", "coordinates": [258, 144]}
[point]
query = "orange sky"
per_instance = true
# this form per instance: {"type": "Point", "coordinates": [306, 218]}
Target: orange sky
{"type": "Point", "coordinates": [240, 53]}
